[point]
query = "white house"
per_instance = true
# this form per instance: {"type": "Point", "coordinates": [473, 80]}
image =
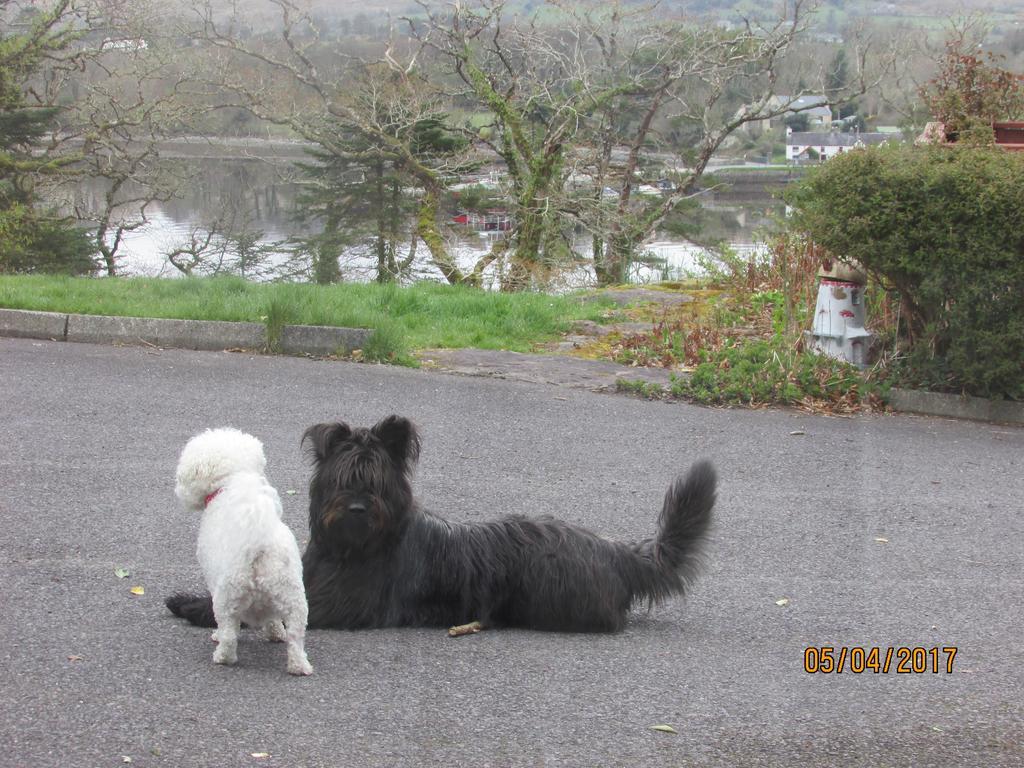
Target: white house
{"type": "Point", "coordinates": [817, 146]}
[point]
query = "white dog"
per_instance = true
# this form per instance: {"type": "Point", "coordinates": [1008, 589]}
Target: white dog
{"type": "Point", "coordinates": [248, 555]}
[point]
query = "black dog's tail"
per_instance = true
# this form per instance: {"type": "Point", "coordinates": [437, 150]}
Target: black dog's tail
{"type": "Point", "coordinates": [669, 563]}
{"type": "Point", "coordinates": [197, 609]}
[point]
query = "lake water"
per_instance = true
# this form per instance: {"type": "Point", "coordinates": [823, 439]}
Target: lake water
{"type": "Point", "coordinates": [259, 196]}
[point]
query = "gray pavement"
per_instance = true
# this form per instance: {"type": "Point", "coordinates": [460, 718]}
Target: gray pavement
{"type": "Point", "coordinates": [878, 530]}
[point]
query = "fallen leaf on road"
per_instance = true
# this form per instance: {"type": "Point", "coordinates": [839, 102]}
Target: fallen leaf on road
{"type": "Point", "coordinates": [290, 492]}
{"type": "Point", "coordinates": [125, 759]}
{"type": "Point", "coordinates": [782, 601]}
{"type": "Point", "coordinates": [260, 755]}
{"type": "Point", "coordinates": [122, 573]}
{"type": "Point", "coordinates": [881, 540]}
{"type": "Point", "coordinates": [664, 728]}
{"type": "Point", "coordinates": [139, 591]}
{"type": "Point", "coordinates": [798, 432]}
{"type": "Point", "coordinates": [75, 657]}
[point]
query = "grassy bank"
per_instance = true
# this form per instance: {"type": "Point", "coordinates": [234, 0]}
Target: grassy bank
{"type": "Point", "coordinates": [736, 343]}
{"type": "Point", "coordinates": [421, 316]}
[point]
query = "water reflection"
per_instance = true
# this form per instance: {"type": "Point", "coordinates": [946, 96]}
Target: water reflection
{"type": "Point", "coordinates": [260, 197]}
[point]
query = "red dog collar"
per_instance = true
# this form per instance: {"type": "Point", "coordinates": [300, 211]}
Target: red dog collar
{"type": "Point", "coordinates": [210, 497]}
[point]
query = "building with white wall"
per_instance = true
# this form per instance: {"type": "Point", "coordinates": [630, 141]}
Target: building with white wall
{"type": "Point", "coordinates": [816, 146]}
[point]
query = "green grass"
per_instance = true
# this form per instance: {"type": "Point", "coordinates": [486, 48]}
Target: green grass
{"type": "Point", "coordinates": [771, 372]}
{"type": "Point", "coordinates": [645, 389]}
{"type": "Point", "coordinates": [422, 316]}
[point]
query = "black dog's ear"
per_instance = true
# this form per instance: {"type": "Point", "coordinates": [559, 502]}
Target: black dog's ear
{"type": "Point", "coordinates": [400, 438]}
{"type": "Point", "coordinates": [320, 439]}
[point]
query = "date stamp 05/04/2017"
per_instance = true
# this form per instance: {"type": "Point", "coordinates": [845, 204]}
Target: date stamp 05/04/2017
{"type": "Point", "coordinates": [857, 659]}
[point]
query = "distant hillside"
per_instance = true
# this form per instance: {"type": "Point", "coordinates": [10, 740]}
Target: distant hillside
{"type": "Point", "coordinates": [886, 8]}
{"type": "Point", "coordinates": [833, 16]}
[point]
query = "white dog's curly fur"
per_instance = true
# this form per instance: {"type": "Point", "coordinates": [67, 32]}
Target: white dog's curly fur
{"type": "Point", "coordinates": [249, 557]}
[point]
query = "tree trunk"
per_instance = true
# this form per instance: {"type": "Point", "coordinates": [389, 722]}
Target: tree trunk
{"type": "Point", "coordinates": [383, 273]}
{"type": "Point", "coordinates": [325, 265]}
{"type": "Point", "coordinates": [426, 227]}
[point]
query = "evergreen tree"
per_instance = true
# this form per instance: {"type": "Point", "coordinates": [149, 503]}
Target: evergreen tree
{"type": "Point", "coordinates": [32, 239]}
{"type": "Point", "coordinates": [358, 196]}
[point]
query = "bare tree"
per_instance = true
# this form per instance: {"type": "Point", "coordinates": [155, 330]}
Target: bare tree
{"type": "Point", "coordinates": [122, 128]}
{"type": "Point", "coordinates": [538, 86]}
{"type": "Point", "coordinates": [118, 87]}
{"type": "Point", "coordinates": [366, 109]}
{"type": "Point", "coordinates": [584, 94]}
{"type": "Point", "coordinates": [190, 255]}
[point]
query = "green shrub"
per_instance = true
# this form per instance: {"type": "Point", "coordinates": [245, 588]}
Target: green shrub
{"type": "Point", "coordinates": [944, 227]}
{"type": "Point", "coordinates": [32, 242]}
{"type": "Point", "coordinates": [765, 372]}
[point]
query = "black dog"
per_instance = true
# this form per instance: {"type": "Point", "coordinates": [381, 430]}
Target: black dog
{"type": "Point", "coordinates": [375, 559]}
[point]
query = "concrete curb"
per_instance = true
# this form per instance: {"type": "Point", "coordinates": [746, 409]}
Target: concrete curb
{"type": "Point", "coordinates": [956, 406]}
{"type": "Point", "coordinates": [185, 334]}
{"type": "Point", "coordinates": [320, 341]}
{"type": "Point", "coordinates": [22, 323]}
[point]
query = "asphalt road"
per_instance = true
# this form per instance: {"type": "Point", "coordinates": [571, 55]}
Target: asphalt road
{"type": "Point", "coordinates": [880, 531]}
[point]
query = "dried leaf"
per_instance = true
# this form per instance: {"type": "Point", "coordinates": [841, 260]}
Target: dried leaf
{"type": "Point", "coordinates": [75, 657]}
{"type": "Point", "coordinates": [122, 573]}
{"type": "Point", "coordinates": [138, 591]}
{"type": "Point", "coordinates": [798, 432]}
{"type": "Point", "coordinates": [125, 759]}
{"type": "Point", "coordinates": [290, 492]}
{"type": "Point", "coordinates": [260, 755]}
{"type": "Point", "coordinates": [881, 540]}
{"type": "Point", "coordinates": [664, 728]}
{"type": "Point", "coordinates": [782, 601]}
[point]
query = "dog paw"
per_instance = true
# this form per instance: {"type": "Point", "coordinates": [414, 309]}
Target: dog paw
{"type": "Point", "coordinates": [275, 632]}
{"type": "Point", "coordinates": [300, 668]}
{"type": "Point", "coordinates": [223, 657]}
